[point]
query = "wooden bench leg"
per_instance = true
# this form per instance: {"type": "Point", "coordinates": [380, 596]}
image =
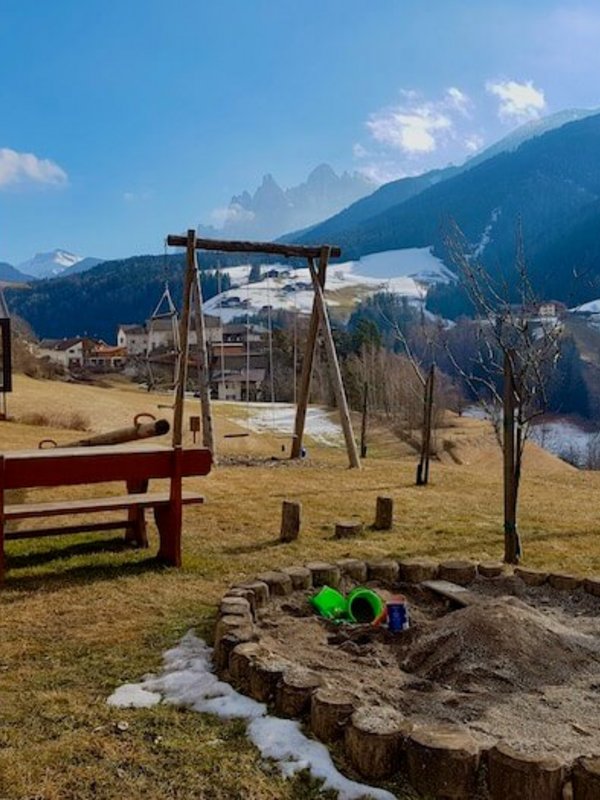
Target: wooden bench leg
{"type": "Point", "coordinates": [136, 534]}
{"type": "Point", "coordinates": [169, 532]}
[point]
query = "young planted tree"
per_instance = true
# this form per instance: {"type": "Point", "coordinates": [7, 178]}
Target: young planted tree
{"type": "Point", "coordinates": [509, 372]}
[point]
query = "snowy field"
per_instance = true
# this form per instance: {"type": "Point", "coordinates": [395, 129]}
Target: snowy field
{"type": "Point", "coordinates": [405, 272]}
{"type": "Point", "coordinates": [187, 680]}
{"type": "Point", "coordinates": [279, 418]}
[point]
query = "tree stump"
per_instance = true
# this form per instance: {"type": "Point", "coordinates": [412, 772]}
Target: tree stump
{"type": "Point", "coordinates": [443, 762]}
{"type": "Point", "coordinates": [347, 529]}
{"type": "Point", "coordinates": [461, 572]}
{"type": "Point", "coordinates": [330, 712]}
{"type": "Point", "coordinates": [374, 741]}
{"type": "Point", "coordinates": [230, 624]}
{"type": "Point", "coordinates": [294, 692]}
{"type": "Point", "coordinates": [564, 582]}
{"type": "Point", "coordinates": [247, 594]}
{"type": "Point", "coordinates": [240, 662]}
{"type": "Point", "coordinates": [260, 590]}
{"type": "Point", "coordinates": [586, 779]}
{"type": "Point", "coordinates": [224, 648]}
{"type": "Point", "coordinates": [236, 606]}
{"type": "Point", "coordinates": [490, 569]}
{"type": "Point", "coordinates": [324, 574]}
{"type": "Point", "coordinates": [265, 674]}
{"type": "Point", "coordinates": [592, 586]}
{"type": "Point", "coordinates": [531, 577]}
{"type": "Point", "coordinates": [279, 583]}
{"type": "Point", "coordinates": [383, 571]}
{"type": "Point", "coordinates": [290, 521]}
{"type": "Point", "coordinates": [416, 570]}
{"type": "Point", "coordinates": [353, 568]}
{"type": "Point", "coordinates": [515, 776]}
{"type": "Point", "coordinates": [301, 577]}
{"type": "Point", "coordinates": [384, 514]}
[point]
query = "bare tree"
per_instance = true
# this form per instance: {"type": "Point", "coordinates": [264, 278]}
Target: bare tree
{"type": "Point", "coordinates": [517, 351]}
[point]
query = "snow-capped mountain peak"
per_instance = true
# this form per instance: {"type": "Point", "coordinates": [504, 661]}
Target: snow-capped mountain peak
{"type": "Point", "coordinates": [47, 265]}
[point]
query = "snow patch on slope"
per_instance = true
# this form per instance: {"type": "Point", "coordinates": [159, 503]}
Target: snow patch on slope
{"type": "Point", "coordinates": [187, 679]}
{"type": "Point", "coordinates": [279, 418]}
{"type": "Point", "coordinates": [406, 272]}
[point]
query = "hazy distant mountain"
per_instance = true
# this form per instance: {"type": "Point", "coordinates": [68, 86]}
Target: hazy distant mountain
{"type": "Point", "coordinates": [82, 266]}
{"type": "Point", "coordinates": [271, 210]}
{"type": "Point", "coordinates": [56, 262]}
{"type": "Point", "coordinates": [11, 274]}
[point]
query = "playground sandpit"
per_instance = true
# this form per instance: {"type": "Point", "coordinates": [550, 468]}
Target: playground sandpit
{"type": "Point", "coordinates": [515, 673]}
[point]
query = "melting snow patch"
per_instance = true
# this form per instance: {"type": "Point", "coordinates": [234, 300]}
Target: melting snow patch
{"type": "Point", "coordinates": [187, 679]}
{"type": "Point", "coordinates": [279, 418]}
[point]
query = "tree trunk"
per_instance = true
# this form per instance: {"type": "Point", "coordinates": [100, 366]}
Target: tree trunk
{"type": "Point", "coordinates": [511, 450]}
{"type": "Point", "coordinates": [423, 466]}
{"type": "Point", "coordinates": [363, 427]}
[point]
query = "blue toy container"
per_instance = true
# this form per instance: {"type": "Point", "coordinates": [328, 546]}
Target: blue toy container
{"type": "Point", "coordinates": [397, 615]}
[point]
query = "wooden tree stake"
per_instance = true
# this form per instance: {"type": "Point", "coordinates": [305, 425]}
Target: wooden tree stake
{"type": "Point", "coordinates": [290, 520]}
{"type": "Point", "coordinates": [384, 514]}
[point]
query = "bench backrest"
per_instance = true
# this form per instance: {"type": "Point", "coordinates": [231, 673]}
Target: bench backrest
{"type": "Point", "coordinates": [66, 467]}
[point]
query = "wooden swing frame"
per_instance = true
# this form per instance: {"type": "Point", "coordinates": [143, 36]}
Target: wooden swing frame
{"type": "Point", "coordinates": [317, 258]}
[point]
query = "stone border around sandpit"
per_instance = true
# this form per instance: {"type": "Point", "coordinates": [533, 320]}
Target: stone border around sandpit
{"type": "Point", "coordinates": [438, 760]}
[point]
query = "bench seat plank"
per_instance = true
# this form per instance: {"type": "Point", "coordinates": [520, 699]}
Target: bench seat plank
{"type": "Point", "coordinates": [94, 504]}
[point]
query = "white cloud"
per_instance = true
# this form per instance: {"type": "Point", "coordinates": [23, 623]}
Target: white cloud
{"type": "Point", "coordinates": [518, 101]}
{"type": "Point", "coordinates": [358, 151]}
{"type": "Point", "coordinates": [135, 197]}
{"type": "Point", "coordinates": [28, 168]}
{"type": "Point", "coordinates": [412, 130]}
{"type": "Point", "coordinates": [457, 99]}
{"type": "Point", "coordinates": [473, 142]}
{"type": "Point", "coordinates": [232, 214]}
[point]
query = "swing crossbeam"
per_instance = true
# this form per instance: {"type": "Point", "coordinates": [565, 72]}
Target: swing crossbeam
{"type": "Point", "coordinates": [271, 248]}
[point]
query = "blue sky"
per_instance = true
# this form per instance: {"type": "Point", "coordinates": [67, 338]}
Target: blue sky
{"type": "Point", "coordinates": [122, 122]}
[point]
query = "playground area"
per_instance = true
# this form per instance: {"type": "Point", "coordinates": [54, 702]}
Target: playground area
{"type": "Point", "coordinates": [84, 615]}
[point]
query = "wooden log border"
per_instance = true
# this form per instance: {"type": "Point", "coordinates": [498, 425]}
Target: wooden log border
{"type": "Point", "coordinates": [329, 712]}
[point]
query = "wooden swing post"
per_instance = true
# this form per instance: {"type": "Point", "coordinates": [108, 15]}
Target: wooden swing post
{"type": "Point", "coordinates": [184, 330]}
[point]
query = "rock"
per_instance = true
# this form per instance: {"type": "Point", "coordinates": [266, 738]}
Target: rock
{"type": "Point", "coordinates": [515, 776]}
{"type": "Point", "coordinates": [443, 762]}
{"type": "Point", "coordinates": [461, 572]}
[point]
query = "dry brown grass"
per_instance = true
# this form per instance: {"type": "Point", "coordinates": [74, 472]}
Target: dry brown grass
{"type": "Point", "coordinates": [78, 618]}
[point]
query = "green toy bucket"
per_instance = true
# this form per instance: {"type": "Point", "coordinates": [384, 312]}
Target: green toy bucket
{"type": "Point", "coordinates": [329, 603]}
{"type": "Point", "coordinates": [364, 605]}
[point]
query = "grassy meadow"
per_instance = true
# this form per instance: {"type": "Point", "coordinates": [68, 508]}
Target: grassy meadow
{"type": "Point", "coordinates": [81, 614]}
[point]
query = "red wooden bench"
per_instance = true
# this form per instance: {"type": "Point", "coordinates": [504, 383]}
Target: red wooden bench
{"type": "Point", "coordinates": [135, 466]}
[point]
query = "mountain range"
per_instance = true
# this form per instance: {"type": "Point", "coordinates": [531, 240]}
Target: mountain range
{"type": "Point", "coordinates": [56, 262]}
{"type": "Point", "coordinates": [545, 178]}
{"type": "Point", "coordinates": [271, 210]}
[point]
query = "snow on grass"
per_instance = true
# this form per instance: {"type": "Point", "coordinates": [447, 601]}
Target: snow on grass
{"type": "Point", "coordinates": [405, 272]}
{"type": "Point", "coordinates": [279, 418]}
{"type": "Point", "coordinates": [187, 679]}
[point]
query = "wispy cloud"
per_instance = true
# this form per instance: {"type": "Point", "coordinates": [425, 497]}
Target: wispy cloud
{"type": "Point", "coordinates": [473, 142]}
{"type": "Point", "coordinates": [518, 101]}
{"type": "Point", "coordinates": [404, 135]}
{"type": "Point", "coordinates": [18, 168]}
{"type": "Point", "coordinates": [138, 196]}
